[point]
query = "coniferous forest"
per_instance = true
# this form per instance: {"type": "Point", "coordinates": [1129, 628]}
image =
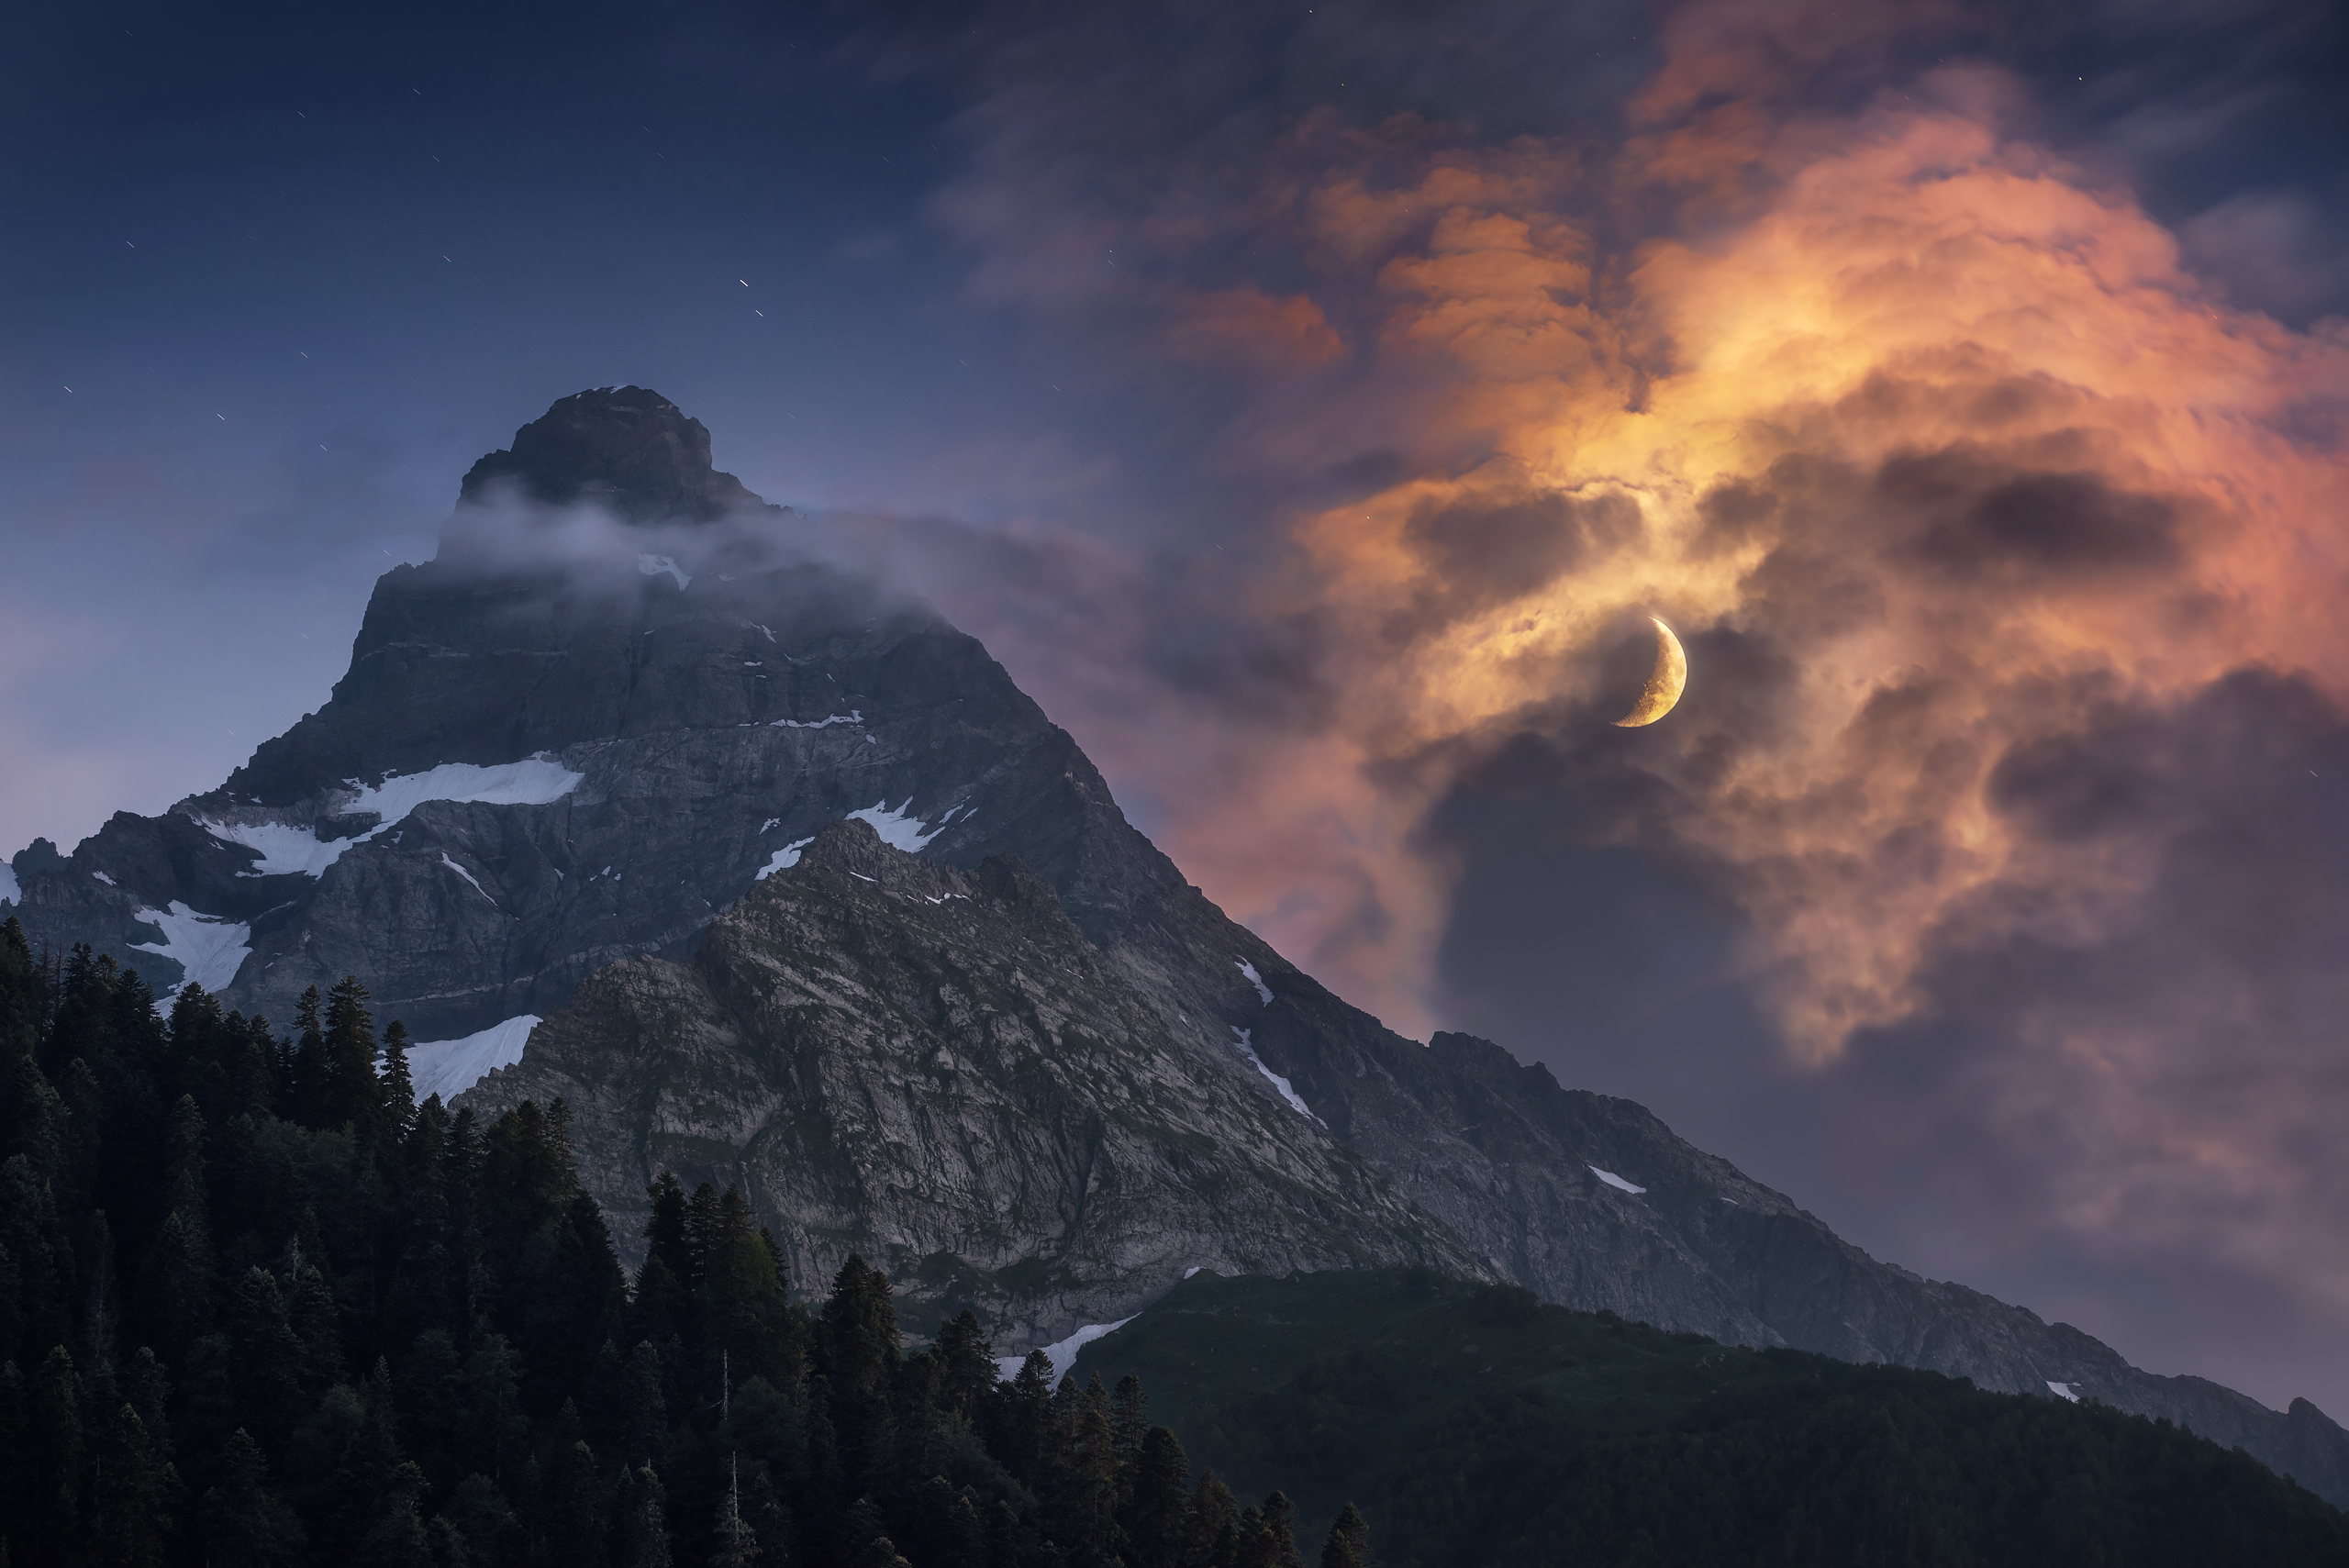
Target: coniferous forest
{"type": "Point", "coordinates": [1477, 1426]}
{"type": "Point", "coordinates": [257, 1307]}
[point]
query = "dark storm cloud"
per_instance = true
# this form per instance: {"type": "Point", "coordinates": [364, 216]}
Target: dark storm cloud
{"type": "Point", "coordinates": [2029, 528]}
{"type": "Point", "coordinates": [1102, 626]}
{"type": "Point", "coordinates": [1488, 550]}
{"type": "Point", "coordinates": [2187, 1047]}
{"type": "Point", "coordinates": [2123, 1113]}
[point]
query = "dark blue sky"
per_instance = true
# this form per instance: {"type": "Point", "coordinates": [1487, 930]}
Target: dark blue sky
{"type": "Point", "coordinates": [1008, 279]}
{"type": "Point", "coordinates": [298, 268]}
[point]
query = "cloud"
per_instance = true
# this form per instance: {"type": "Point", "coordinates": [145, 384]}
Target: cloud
{"type": "Point", "coordinates": [2272, 250]}
{"type": "Point", "coordinates": [1250, 326]}
{"type": "Point", "coordinates": [1999, 535]}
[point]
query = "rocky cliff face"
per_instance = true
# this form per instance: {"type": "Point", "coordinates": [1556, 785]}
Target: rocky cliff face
{"type": "Point", "coordinates": [936, 1067]}
{"type": "Point", "coordinates": [809, 896]}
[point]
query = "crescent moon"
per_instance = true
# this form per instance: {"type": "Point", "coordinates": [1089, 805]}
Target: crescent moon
{"type": "Point", "coordinates": [1666, 682]}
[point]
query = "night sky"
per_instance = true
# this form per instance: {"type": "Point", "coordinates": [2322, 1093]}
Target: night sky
{"type": "Point", "coordinates": [1309, 405]}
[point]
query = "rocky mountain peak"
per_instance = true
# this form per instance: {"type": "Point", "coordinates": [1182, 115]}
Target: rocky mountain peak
{"type": "Point", "coordinates": [778, 880]}
{"type": "Point", "coordinates": [627, 449]}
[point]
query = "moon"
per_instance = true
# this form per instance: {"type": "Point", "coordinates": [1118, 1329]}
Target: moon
{"type": "Point", "coordinates": [1666, 682]}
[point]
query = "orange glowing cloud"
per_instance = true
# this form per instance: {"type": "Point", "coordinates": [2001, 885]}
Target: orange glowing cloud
{"type": "Point", "coordinates": [1253, 327]}
{"type": "Point", "coordinates": [2005, 451]}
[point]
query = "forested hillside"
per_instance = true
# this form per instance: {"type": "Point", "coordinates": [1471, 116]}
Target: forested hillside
{"type": "Point", "coordinates": [257, 1307]}
{"type": "Point", "coordinates": [1476, 1427]}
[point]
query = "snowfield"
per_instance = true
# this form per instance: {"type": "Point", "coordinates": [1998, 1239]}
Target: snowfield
{"type": "Point", "coordinates": [209, 949]}
{"type": "Point", "coordinates": [285, 848]}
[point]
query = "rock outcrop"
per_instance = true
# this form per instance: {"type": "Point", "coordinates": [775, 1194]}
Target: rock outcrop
{"type": "Point", "coordinates": [812, 897]}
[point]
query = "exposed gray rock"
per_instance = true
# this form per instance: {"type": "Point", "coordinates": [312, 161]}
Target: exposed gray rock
{"type": "Point", "coordinates": [1045, 1094]}
{"type": "Point", "coordinates": [935, 1067]}
{"type": "Point", "coordinates": [631, 449]}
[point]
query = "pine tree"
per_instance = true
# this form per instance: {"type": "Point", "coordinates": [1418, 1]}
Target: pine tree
{"type": "Point", "coordinates": [177, 1283]}
{"type": "Point", "coordinates": [17, 1490]}
{"type": "Point", "coordinates": [1090, 1496]}
{"type": "Point", "coordinates": [580, 1302]}
{"type": "Point", "coordinates": [265, 1360]}
{"type": "Point", "coordinates": [33, 1238]}
{"type": "Point", "coordinates": [463, 1163]}
{"type": "Point", "coordinates": [1268, 1535]}
{"type": "Point", "coordinates": [1349, 1542]}
{"type": "Point", "coordinates": [397, 1537]}
{"type": "Point", "coordinates": [353, 1096]}
{"type": "Point", "coordinates": [101, 1303]}
{"type": "Point", "coordinates": [857, 1347]}
{"type": "Point", "coordinates": [664, 1304]}
{"type": "Point", "coordinates": [1213, 1528]}
{"type": "Point", "coordinates": [643, 1534]}
{"type": "Point", "coordinates": [430, 1398]}
{"type": "Point", "coordinates": [148, 1392]}
{"type": "Point", "coordinates": [1155, 1512]}
{"type": "Point", "coordinates": [53, 1523]}
{"type": "Point", "coordinates": [481, 1524]}
{"type": "Point", "coordinates": [398, 1089]}
{"type": "Point", "coordinates": [1022, 1419]}
{"type": "Point", "coordinates": [575, 1527]}
{"type": "Point", "coordinates": [132, 1491]}
{"type": "Point", "coordinates": [966, 1364]}
{"type": "Point", "coordinates": [495, 1425]}
{"type": "Point", "coordinates": [701, 1223]}
{"type": "Point", "coordinates": [858, 1334]}
{"type": "Point", "coordinates": [20, 995]}
{"type": "Point", "coordinates": [740, 1299]}
{"type": "Point", "coordinates": [643, 1414]}
{"type": "Point", "coordinates": [310, 1313]}
{"type": "Point", "coordinates": [1129, 1419]}
{"type": "Point", "coordinates": [379, 1486]}
{"type": "Point", "coordinates": [881, 1552]}
{"type": "Point", "coordinates": [242, 1520]}
{"type": "Point", "coordinates": [184, 1191]}
{"type": "Point", "coordinates": [736, 1546]}
{"type": "Point", "coordinates": [302, 1063]}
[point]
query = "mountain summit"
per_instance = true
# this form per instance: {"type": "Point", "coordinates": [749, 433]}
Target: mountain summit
{"type": "Point", "coordinates": [629, 449]}
{"type": "Point", "coordinates": [777, 879]}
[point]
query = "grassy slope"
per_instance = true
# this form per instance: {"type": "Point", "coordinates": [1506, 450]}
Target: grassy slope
{"type": "Point", "coordinates": [1473, 1426]}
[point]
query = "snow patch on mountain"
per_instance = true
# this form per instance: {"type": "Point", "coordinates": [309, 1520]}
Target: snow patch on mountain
{"type": "Point", "coordinates": [897, 829]}
{"type": "Point", "coordinates": [783, 859]}
{"type": "Point", "coordinates": [284, 848]}
{"type": "Point", "coordinates": [1247, 1048]}
{"type": "Point", "coordinates": [534, 781]}
{"type": "Point", "coordinates": [209, 949]}
{"type": "Point", "coordinates": [856, 716]}
{"type": "Point", "coordinates": [1613, 1180]}
{"type": "Point", "coordinates": [2065, 1391]}
{"type": "Point", "coordinates": [1061, 1351]}
{"type": "Point", "coordinates": [450, 1067]}
{"type": "Point", "coordinates": [653, 565]}
{"type": "Point", "coordinates": [1256, 980]}
{"type": "Point", "coordinates": [466, 874]}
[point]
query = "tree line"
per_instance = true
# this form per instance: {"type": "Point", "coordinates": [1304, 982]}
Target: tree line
{"type": "Point", "coordinates": [259, 1307]}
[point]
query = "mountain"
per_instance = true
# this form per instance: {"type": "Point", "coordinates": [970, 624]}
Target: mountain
{"type": "Point", "coordinates": [785, 883]}
{"type": "Point", "coordinates": [1581, 1437]}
